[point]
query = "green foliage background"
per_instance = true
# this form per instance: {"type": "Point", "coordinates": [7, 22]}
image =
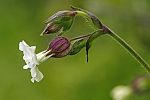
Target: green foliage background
{"type": "Point", "coordinates": [71, 78]}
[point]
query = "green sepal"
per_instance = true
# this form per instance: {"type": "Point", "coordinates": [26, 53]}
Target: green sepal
{"type": "Point", "coordinates": [57, 17]}
{"type": "Point", "coordinates": [77, 46]}
{"type": "Point", "coordinates": [67, 23]}
{"type": "Point", "coordinates": [63, 19]}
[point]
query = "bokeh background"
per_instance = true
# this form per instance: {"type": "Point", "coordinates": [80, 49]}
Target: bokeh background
{"type": "Point", "coordinates": [71, 78]}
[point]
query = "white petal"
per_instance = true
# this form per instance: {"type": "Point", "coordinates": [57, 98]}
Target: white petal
{"type": "Point", "coordinates": [21, 45]}
{"type": "Point", "coordinates": [25, 67]}
{"type": "Point", "coordinates": [39, 76]}
{"type": "Point", "coordinates": [42, 56]}
{"type": "Point", "coordinates": [32, 80]}
{"type": "Point", "coordinates": [46, 57]}
{"type": "Point", "coordinates": [29, 54]}
{"type": "Point", "coordinates": [36, 74]}
{"type": "Point", "coordinates": [40, 53]}
{"type": "Point", "coordinates": [33, 72]}
{"type": "Point", "coordinates": [32, 60]}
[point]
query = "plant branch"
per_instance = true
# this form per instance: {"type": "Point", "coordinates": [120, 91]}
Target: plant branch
{"type": "Point", "coordinates": [108, 31]}
{"type": "Point", "coordinates": [85, 36]}
{"type": "Point", "coordinates": [130, 50]}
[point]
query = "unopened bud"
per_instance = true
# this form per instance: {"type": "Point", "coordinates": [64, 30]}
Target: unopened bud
{"type": "Point", "coordinates": [59, 22]}
{"type": "Point", "coordinates": [51, 28]}
{"type": "Point", "coordinates": [60, 15]}
{"type": "Point", "coordinates": [60, 47]}
{"type": "Point", "coordinates": [141, 84]}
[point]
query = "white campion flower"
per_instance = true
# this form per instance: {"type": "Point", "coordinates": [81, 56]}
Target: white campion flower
{"type": "Point", "coordinates": [32, 60]}
{"type": "Point", "coordinates": [59, 47]}
{"type": "Point", "coordinates": [121, 92]}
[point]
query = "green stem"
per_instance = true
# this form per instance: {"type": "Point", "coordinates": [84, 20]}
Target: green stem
{"type": "Point", "coordinates": [130, 50]}
{"type": "Point", "coordinates": [81, 13]}
{"type": "Point", "coordinates": [81, 37]}
{"type": "Point", "coordinates": [88, 35]}
{"type": "Point", "coordinates": [117, 38]}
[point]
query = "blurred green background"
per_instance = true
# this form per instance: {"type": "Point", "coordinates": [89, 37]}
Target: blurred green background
{"type": "Point", "coordinates": [71, 78]}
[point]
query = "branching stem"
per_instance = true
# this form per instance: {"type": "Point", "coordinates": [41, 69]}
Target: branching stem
{"type": "Point", "coordinates": [109, 32]}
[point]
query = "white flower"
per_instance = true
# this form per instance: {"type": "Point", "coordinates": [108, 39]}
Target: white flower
{"type": "Point", "coordinates": [121, 92]}
{"type": "Point", "coordinates": [32, 60]}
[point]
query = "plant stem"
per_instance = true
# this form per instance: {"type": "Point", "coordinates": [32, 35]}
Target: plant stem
{"type": "Point", "coordinates": [81, 37]}
{"type": "Point", "coordinates": [130, 50]}
{"type": "Point", "coordinates": [87, 35]}
{"type": "Point", "coordinates": [97, 22]}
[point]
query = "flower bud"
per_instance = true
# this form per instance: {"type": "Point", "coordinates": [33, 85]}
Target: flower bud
{"type": "Point", "coordinates": [61, 21]}
{"type": "Point", "coordinates": [60, 47]}
{"type": "Point", "coordinates": [141, 84]}
{"type": "Point", "coordinates": [51, 28]}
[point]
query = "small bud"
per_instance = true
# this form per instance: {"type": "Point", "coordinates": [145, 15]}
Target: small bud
{"type": "Point", "coordinates": [60, 47]}
{"type": "Point", "coordinates": [51, 28]}
{"type": "Point", "coordinates": [59, 22]}
{"type": "Point", "coordinates": [141, 84]}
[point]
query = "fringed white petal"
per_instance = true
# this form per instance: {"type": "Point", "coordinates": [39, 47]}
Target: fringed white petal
{"type": "Point", "coordinates": [29, 54]}
{"type": "Point", "coordinates": [32, 60]}
{"type": "Point", "coordinates": [36, 74]}
{"type": "Point", "coordinates": [25, 67]}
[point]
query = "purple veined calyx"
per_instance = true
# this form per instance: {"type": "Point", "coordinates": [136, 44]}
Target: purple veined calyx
{"type": "Point", "coordinates": [59, 47]}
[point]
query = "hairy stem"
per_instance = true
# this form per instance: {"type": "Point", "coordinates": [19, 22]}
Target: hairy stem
{"type": "Point", "coordinates": [130, 50]}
